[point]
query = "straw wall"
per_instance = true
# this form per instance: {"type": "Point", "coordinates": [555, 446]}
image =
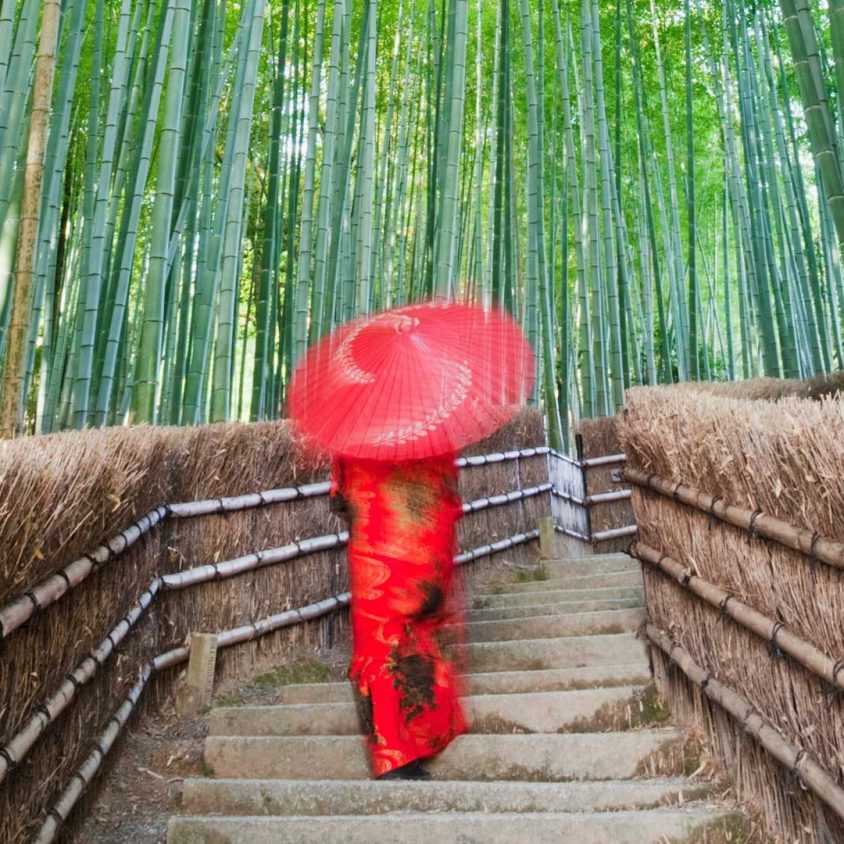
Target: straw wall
{"type": "Point", "coordinates": [784, 458]}
{"type": "Point", "coordinates": [60, 496]}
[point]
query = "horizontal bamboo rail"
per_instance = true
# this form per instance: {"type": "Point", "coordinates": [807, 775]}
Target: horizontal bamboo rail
{"type": "Point", "coordinates": [252, 562]}
{"type": "Point", "coordinates": [496, 547]}
{"type": "Point", "coordinates": [16, 613]}
{"type": "Point", "coordinates": [755, 522]}
{"type": "Point", "coordinates": [47, 712]}
{"type": "Point", "coordinates": [606, 460]}
{"type": "Point", "coordinates": [501, 456]}
{"type": "Point", "coordinates": [84, 774]}
{"type": "Point", "coordinates": [771, 631]}
{"type": "Point", "coordinates": [798, 761]}
{"type": "Point", "coordinates": [601, 535]}
{"type": "Point", "coordinates": [597, 498]}
{"type": "Point", "coordinates": [49, 590]}
{"type": "Point", "coordinates": [504, 498]}
{"type": "Point", "coordinates": [192, 509]}
{"type": "Point", "coordinates": [589, 462]}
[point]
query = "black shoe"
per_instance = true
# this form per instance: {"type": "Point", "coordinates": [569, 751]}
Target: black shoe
{"type": "Point", "coordinates": [412, 771]}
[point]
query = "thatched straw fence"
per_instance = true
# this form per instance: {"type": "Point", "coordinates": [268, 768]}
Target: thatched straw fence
{"type": "Point", "coordinates": [738, 494]}
{"type": "Point", "coordinates": [104, 577]}
{"type": "Point", "coordinates": [589, 504]}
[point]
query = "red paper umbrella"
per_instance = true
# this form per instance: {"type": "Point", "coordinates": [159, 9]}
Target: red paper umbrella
{"type": "Point", "coordinates": [412, 382]}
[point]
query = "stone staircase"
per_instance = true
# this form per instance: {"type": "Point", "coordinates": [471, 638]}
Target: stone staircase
{"type": "Point", "coordinates": [550, 660]}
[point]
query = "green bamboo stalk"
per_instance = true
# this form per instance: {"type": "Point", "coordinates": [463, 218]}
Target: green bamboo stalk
{"type": "Point", "coordinates": [802, 39]}
{"type": "Point", "coordinates": [454, 97]}
{"type": "Point", "coordinates": [147, 376]}
{"type": "Point", "coordinates": [221, 395]}
{"type": "Point", "coordinates": [612, 244]}
{"type": "Point", "coordinates": [673, 233]}
{"type": "Point", "coordinates": [12, 408]}
{"type": "Point", "coordinates": [691, 222]}
{"type": "Point", "coordinates": [300, 321]}
{"type": "Point", "coordinates": [263, 371]}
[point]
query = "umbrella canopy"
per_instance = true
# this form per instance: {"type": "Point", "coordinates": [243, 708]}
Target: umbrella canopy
{"type": "Point", "coordinates": [412, 382]}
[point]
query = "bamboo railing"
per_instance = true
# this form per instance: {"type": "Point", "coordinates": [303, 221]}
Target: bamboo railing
{"type": "Point", "coordinates": [776, 537]}
{"type": "Point", "coordinates": [46, 593]}
{"type": "Point", "coordinates": [572, 506]}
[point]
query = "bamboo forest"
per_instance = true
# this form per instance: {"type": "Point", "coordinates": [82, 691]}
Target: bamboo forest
{"type": "Point", "coordinates": [193, 191]}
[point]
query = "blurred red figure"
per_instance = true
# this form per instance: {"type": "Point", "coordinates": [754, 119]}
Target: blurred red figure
{"type": "Point", "coordinates": [403, 610]}
{"type": "Point", "coordinates": [394, 396]}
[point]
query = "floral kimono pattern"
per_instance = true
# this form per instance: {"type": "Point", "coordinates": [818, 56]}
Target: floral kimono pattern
{"type": "Point", "coordinates": [402, 524]}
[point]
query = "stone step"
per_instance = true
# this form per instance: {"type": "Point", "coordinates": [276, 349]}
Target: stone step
{"type": "Point", "coordinates": [367, 797]}
{"type": "Point", "coordinates": [571, 581]}
{"type": "Point", "coordinates": [557, 608]}
{"type": "Point", "coordinates": [597, 564]}
{"type": "Point", "coordinates": [656, 825]}
{"type": "Point", "coordinates": [536, 712]}
{"type": "Point", "coordinates": [565, 652]}
{"type": "Point", "coordinates": [552, 596]}
{"type": "Point", "coordinates": [554, 626]}
{"type": "Point", "coordinates": [498, 682]}
{"type": "Point", "coordinates": [540, 757]}
{"type": "Point", "coordinates": [636, 673]}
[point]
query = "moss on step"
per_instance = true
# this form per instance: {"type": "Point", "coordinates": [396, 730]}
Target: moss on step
{"type": "Point", "coordinates": [532, 576]}
{"type": "Point", "coordinates": [645, 709]}
{"type": "Point", "coordinates": [228, 699]}
{"type": "Point", "coordinates": [294, 673]}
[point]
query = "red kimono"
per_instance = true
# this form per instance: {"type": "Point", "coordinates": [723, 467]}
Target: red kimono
{"type": "Point", "coordinates": [401, 549]}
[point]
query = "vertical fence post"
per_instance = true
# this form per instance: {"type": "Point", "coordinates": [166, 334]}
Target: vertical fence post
{"type": "Point", "coordinates": [581, 459]}
{"type": "Point", "coordinates": [199, 684]}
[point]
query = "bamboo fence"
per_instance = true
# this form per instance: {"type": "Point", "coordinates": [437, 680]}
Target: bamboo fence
{"type": "Point", "coordinates": [588, 504]}
{"type": "Point", "coordinates": [738, 492]}
{"type": "Point", "coordinates": [85, 632]}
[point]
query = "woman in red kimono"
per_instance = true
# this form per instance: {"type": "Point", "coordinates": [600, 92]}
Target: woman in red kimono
{"type": "Point", "coordinates": [401, 548]}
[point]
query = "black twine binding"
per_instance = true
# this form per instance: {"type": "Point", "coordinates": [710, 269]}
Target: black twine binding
{"type": "Point", "coordinates": [56, 816]}
{"type": "Point", "coordinates": [712, 517]}
{"type": "Point", "coordinates": [722, 605]}
{"type": "Point", "coordinates": [11, 762]}
{"type": "Point", "coordinates": [813, 557]}
{"type": "Point", "coordinates": [751, 528]}
{"type": "Point", "coordinates": [706, 680]}
{"type": "Point", "coordinates": [676, 491]}
{"type": "Point", "coordinates": [773, 645]}
{"type": "Point", "coordinates": [795, 769]}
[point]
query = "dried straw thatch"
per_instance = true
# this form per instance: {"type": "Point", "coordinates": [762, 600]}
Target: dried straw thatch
{"type": "Point", "coordinates": [61, 496]}
{"type": "Point", "coordinates": [784, 458]}
{"type": "Point", "coordinates": [598, 438]}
